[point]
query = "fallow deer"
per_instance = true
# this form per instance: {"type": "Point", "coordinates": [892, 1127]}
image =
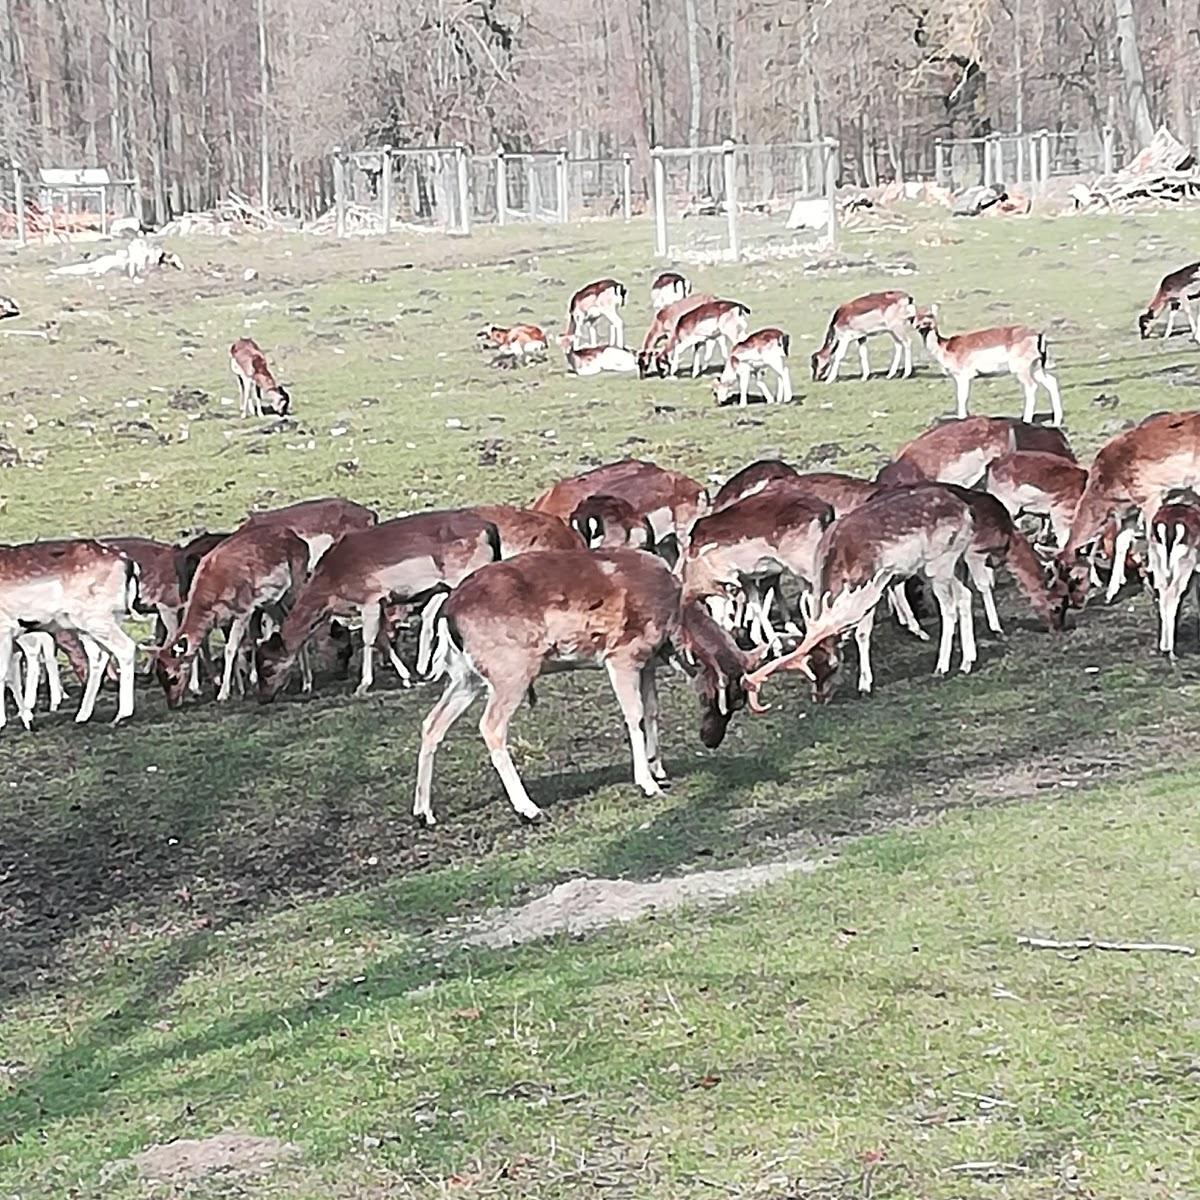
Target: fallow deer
{"type": "Point", "coordinates": [597, 360]}
{"type": "Point", "coordinates": [521, 343]}
{"type": "Point", "coordinates": [668, 286]}
{"type": "Point", "coordinates": [1178, 289]}
{"type": "Point", "coordinates": [1039, 484]}
{"type": "Point", "coordinates": [559, 610]}
{"type": "Point", "coordinates": [71, 584]}
{"type": "Point", "coordinates": [401, 561]}
{"type": "Point", "coordinates": [759, 352]}
{"type": "Point", "coordinates": [608, 522]}
{"type": "Point", "coordinates": [858, 319]}
{"type": "Point", "coordinates": [320, 522]}
{"type": "Point", "coordinates": [717, 324]}
{"type": "Point", "coordinates": [750, 479]}
{"type": "Point", "coordinates": [953, 452]}
{"type": "Point", "coordinates": [258, 570]}
{"type": "Point", "coordinates": [255, 381]}
{"type": "Point", "coordinates": [662, 327]}
{"type": "Point", "coordinates": [900, 533]}
{"type": "Point", "coordinates": [1001, 350]}
{"type": "Point", "coordinates": [1173, 555]}
{"type": "Point", "coordinates": [603, 298]}
{"type": "Point", "coordinates": [668, 500]}
{"type": "Point", "coordinates": [158, 583]}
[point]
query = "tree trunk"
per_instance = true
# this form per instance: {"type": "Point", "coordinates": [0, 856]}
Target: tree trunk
{"type": "Point", "coordinates": [1132, 76]}
{"type": "Point", "coordinates": [264, 171]}
{"type": "Point", "coordinates": [694, 94]}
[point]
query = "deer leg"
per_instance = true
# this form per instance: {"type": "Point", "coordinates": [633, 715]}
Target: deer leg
{"type": "Point", "coordinates": [947, 601]}
{"type": "Point", "coordinates": [649, 686]}
{"type": "Point", "coordinates": [1168, 612]}
{"type": "Point", "coordinates": [493, 727]}
{"type": "Point", "coordinates": [1189, 308]}
{"type": "Point", "coordinates": [697, 350]}
{"type": "Point", "coordinates": [984, 579]}
{"type": "Point", "coordinates": [455, 700]}
{"type": "Point", "coordinates": [616, 330]}
{"type": "Point", "coordinates": [898, 599]}
{"type": "Point", "coordinates": [862, 358]}
{"type": "Point", "coordinates": [785, 384]}
{"type": "Point", "coordinates": [624, 680]}
{"type": "Point", "coordinates": [387, 643]}
{"type": "Point", "coordinates": [97, 661]}
{"type": "Point", "coordinates": [962, 385]}
{"type": "Point", "coordinates": [839, 352]}
{"type": "Point", "coordinates": [1048, 381]}
{"type": "Point", "coordinates": [1116, 579]}
{"type": "Point", "coordinates": [862, 639]}
{"type": "Point", "coordinates": [908, 367]}
{"type": "Point", "coordinates": [743, 385]}
{"type": "Point", "coordinates": [237, 630]}
{"type": "Point", "coordinates": [897, 356]}
{"type": "Point", "coordinates": [370, 632]}
{"type": "Point", "coordinates": [6, 663]}
{"type": "Point", "coordinates": [49, 656]}
{"type": "Point", "coordinates": [966, 627]}
{"type": "Point", "coordinates": [1170, 319]}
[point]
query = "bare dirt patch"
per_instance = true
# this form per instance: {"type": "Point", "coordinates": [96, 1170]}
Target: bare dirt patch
{"type": "Point", "coordinates": [582, 905]}
{"type": "Point", "coordinates": [188, 1160]}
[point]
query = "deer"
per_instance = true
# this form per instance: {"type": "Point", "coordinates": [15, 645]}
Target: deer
{"type": "Point", "coordinates": [257, 571]}
{"type": "Point", "coordinates": [1039, 484]}
{"type": "Point", "coordinates": [603, 298]}
{"type": "Point", "coordinates": [1128, 478]}
{"type": "Point", "coordinates": [858, 319]}
{"type": "Point", "coordinates": [702, 330]}
{"type": "Point", "coordinates": [608, 522]}
{"type": "Point", "coordinates": [650, 360]}
{"type": "Point", "coordinates": [255, 381]}
{"type": "Point", "coordinates": [921, 530]}
{"type": "Point", "coordinates": [74, 584]}
{"type": "Point", "coordinates": [668, 286]}
{"type": "Point", "coordinates": [668, 500]}
{"type": "Point", "coordinates": [520, 343]}
{"type": "Point", "coordinates": [750, 479]}
{"type": "Point", "coordinates": [320, 522]}
{"type": "Point", "coordinates": [1003, 349]}
{"type": "Point", "coordinates": [401, 561]}
{"type": "Point", "coordinates": [555, 610]}
{"type": "Point", "coordinates": [158, 584]}
{"type": "Point", "coordinates": [953, 452]}
{"type": "Point", "coordinates": [1172, 557]}
{"type": "Point", "coordinates": [1179, 288]}
{"type": "Point", "coordinates": [597, 360]}
{"type": "Point", "coordinates": [758, 352]}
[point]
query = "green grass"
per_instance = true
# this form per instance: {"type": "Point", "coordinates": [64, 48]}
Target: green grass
{"type": "Point", "coordinates": [225, 919]}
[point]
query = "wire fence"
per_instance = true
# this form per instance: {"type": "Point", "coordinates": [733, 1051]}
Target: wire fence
{"type": "Point", "coordinates": [1025, 159]}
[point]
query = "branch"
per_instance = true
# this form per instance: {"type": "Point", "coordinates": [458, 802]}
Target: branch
{"type": "Point", "coordinates": [1094, 944]}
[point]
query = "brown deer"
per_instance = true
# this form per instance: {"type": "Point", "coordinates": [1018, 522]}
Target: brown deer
{"type": "Point", "coordinates": [1040, 484]}
{"type": "Point", "coordinates": [521, 343]}
{"type": "Point", "coordinates": [77, 585]}
{"type": "Point", "coordinates": [953, 452]}
{"type": "Point", "coordinates": [1173, 555]}
{"type": "Point", "coordinates": [608, 522]}
{"type": "Point", "coordinates": [750, 479]}
{"type": "Point", "coordinates": [400, 561]}
{"type": "Point", "coordinates": [668, 286]}
{"type": "Point", "coordinates": [758, 352]}
{"type": "Point", "coordinates": [858, 319]}
{"type": "Point", "coordinates": [702, 330]}
{"type": "Point", "coordinates": [650, 358]}
{"type": "Point", "coordinates": [922, 530]}
{"type": "Point", "coordinates": [258, 570]}
{"type": "Point", "coordinates": [1179, 288]}
{"type": "Point", "coordinates": [1002, 350]}
{"type": "Point", "coordinates": [597, 360]}
{"type": "Point", "coordinates": [319, 522]}
{"type": "Point", "coordinates": [559, 610]}
{"type": "Point", "coordinates": [603, 298]}
{"type": "Point", "coordinates": [522, 530]}
{"type": "Point", "coordinates": [255, 381]}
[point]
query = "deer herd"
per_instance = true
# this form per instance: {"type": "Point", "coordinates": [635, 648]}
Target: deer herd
{"type": "Point", "coordinates": [632, 568]}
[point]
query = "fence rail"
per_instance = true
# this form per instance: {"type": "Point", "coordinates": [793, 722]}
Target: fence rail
{"type": "Point", "coordinates": [1020, 158]}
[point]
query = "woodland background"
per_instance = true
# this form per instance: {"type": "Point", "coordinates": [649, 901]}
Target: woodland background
{"type": "Point", "coordinates": [203, 96]}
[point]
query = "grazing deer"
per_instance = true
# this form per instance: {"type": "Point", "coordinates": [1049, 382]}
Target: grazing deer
{"type": "Point", "coordinates": [1173, 555]}
{"type": "Point", "coordinates": [662, 327]}
{"type": "Point", "coordinates": [762, 351]}
{"type": "Point", "coordinates": [1129, 476]}
{"type": "Point", "coordinates": [559, 610]}
{"type": "Point", "coordinates": [257, 571]}
{"type": "Point", "coordinates": [702, 330]}
{"type": "Point", "coordinates": [608, 522]}
{"type": "Point", "coordinates": [923, 530]}
{"type": "Point", "coordinates": [668, 500]}
{"type": "Point", "coordinates": [38, 654]}
{"type": "Point", "coordinates": [8, 308]}
{"type": "Point", "coordinates": [953, 452]}
{"type": "Point", "coordinates": [750, 479]}
{"type": "Point", "coordinates": [1040, 484]}
{"type": "Point", "coordinates": [522, 530]}
{"type": "Point", "coordinates": [1004, 349]}
{"type": "Point", "coordinates": [858, 319]}
{"type": "Point", "coordinates": [400, 561]}
{"type": "Point", "coordinates": [255, 381]}
{"type": "Point", "coordinates": [1180, 287]}
{"type": "Point", "coordinates": [603, 298]}
{"type": "Point", "coordinates": [78, 585]}
{"type": "Point", "coordinates": [158, 584]}
{"type": "Point", "coordinates": [319, 522]}
{"type": "Point", "coordinates": [597, 360]}
{"type": "Point", "coordinates": [668, 286]}
{"type": "Point", "coordinates": [521, 343]}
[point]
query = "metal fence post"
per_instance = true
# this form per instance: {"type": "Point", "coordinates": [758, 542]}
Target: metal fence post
{"type": "Point", "coordinates": [533, 196]}
{"type": "Point", "coordinates": [385, 187]}
{"type": "Point", "coordinates": [560, 179]}
{"type": "Point", "coordinates": [501, 186]}
{"type": "Point", "coordinates": [626, 187]}
{"type": "Point", "coordinates": [1107, 135]}
{"type": "Point", "coordinates": [19, 201]}
{"type": "Point", "coordinates": [987, 163]}
{"type": "Point", "coordinates": [831, 148]}
{"type": "Point", "coordinates": [464, 188]}
{"type": "Point", "coordinates": [1045, 136]}
{"type": "Point", "coordinates": [730, 166]}
{"type": "Point", "coordinates": [999, 168]}
{"type": "Point", "coordinates": [939, 161]}
{"type": "Point", "coordinates": [339, 193]}
{"type": "Point", "coordinates": [660, 202]}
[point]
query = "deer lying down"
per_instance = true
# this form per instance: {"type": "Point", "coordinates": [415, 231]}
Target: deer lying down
{"type": "Point", "coordinates": [759, 352]}
{"type": "Point", "coordinates": [560, 610]}
{"type": "Point", "coordinates": [1173, 555]}
{"type": "Point", "coordinates": [521, 343]}
{"type": "Point", "coordinates": [910, 531]}
{"type": "Point", "coordinates": [1039, 484]}
{"type": "Point", "coordinates": [858, 319]}
{"type": "Point", "coordinates": [597, 360]}
{"type": "Point", "coordinates": [1003, 350]}
{"type": "Point", "coordinates": [668, 286]}
{"type": "Point", "coordinates": [256, 384]}
{"type": "Point", "coordinates": [603, 298]}
{"type": "Point", "coordinates": [1180, 287]}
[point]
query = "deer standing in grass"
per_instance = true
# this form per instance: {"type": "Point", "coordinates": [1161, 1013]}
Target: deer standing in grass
{"type": "Point", "coordinates": [608, 523]}
{"type": "Point", "coordinates": [858, 319]}
{"type": "Point", "coordinates": [751, 358]}
{"type": "Point", "coordinates": [601, 299]}
{"type": "Point", "coordinates": [561, 610]}
{"type": "Point", "coordinates": [717, 324]}
{"type": "Point", "coordinates": [650, 358]}
{"type": "Point", "coordinates": [255, 381]}
{"type": "Point", "coordinates": [668, 286]}
{"type": "Point", "coordinates": [1178, 289]}
{"type": "Point", "coordinates": [1003, 350]}
{"type": "Point", "coordinates": [1040, 484]}
{"type": "Point", "coordinates": [1173, 556]}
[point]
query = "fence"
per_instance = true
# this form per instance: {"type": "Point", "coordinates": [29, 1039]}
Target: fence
{"type": "Point", "coordinates": [373, 189]}
{"type": "Point", "coordinates": [63, 201]}
{"type": "Point", "coordinates": [1020, 158]}
{"type": "Point", "coordinates": [740, 199]}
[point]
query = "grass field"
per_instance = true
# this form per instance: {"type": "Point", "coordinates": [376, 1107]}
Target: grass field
{"type": "Point", "coordinates": [225, 920]}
